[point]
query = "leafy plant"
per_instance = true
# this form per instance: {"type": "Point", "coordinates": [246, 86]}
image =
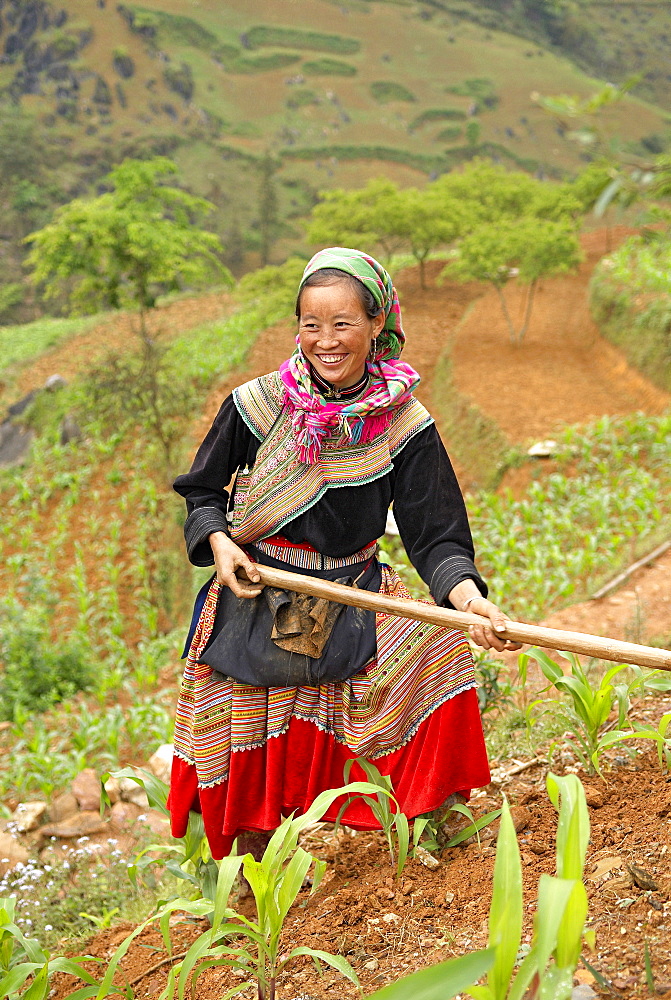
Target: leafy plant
{"type": "Point", "coordinates": [21, 958]}
{"type": "Point", "coordinates": [256, 950]}
{"type": "Point", "coordinates": [546, 972]}
{"type": "Point", "coordinates": [394, 823]}
{"type": "Point", "coordinates": [590, 706]}
{"type": "Point", "coordinates": [640, 732]}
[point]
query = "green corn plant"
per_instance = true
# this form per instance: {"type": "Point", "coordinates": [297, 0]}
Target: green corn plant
{"type": "Point", "coordinates": [394, 823]}
{"type": "Point", "coordinates": [661, 735]}
{"type": "Point", "coordinates": [546, 972]}
{"type": "Point", "coordinates": [22, 958]}
{"type": "Point", "coordinates": [187, 858]}
{"type": "Point", "coordinates": [233, 940]}
{"type": "Point", "coordinates": [590, 706]}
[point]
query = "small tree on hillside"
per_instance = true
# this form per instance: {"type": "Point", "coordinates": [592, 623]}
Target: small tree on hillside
{"type": "Point", "coordinates": [125, 246]}
{"type": "Point", "coordinates": [423, 222]}
{"type": "Point", "coordinates": [121, 249]}
{"type": "Point", "coordinates": [529, 248]}
{"type": "Point", "coordinates": [357, 218]}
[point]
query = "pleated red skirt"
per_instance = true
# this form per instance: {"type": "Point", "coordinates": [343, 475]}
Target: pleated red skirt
{"type": "Point", "coordinates": [446, 754]}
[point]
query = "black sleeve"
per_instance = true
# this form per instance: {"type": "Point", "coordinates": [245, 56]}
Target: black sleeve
{"type": "Point", "coordinates": [228, 445]}
{"type": "Point", "coordinates": [431, 516]}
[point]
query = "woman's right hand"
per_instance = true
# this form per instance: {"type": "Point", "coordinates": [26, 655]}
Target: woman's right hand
{"type": "Point", "coordinates": [234, 568]}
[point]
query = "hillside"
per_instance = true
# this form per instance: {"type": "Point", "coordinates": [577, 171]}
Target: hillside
{"type": "Point", "coordinates": [262, 105]}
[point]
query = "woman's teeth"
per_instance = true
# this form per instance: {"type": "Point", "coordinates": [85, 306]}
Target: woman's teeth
{"type": "Point", "coordinates": [332, 359]}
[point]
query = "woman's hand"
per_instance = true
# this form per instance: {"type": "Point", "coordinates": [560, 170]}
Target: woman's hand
{"type": "Point", "coordinates": [234, 568]}
{"type": "Point", "coordinates": [466, 597]}
{"type": "Point", "coordinates": [488, 634]}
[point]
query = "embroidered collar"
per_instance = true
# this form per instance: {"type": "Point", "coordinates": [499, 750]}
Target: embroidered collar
{"type": "Point", "coordinates": [330, 391]}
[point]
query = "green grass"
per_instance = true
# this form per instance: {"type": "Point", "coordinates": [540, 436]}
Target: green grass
{"type": "Point", "coordinates": [262, 63]}
{"type": "Point", "coordinates": [328, 67]}
{"type": "Point", "coordinates": [630, 298]}
{"type": "Point", "coordinates": [23, 343]}
{"type": "Point", "coordinates": [384, 91]}
{"type": "Point", "coordinates": [295, 38]}
{"type": "Point", "coordinates": [418, 161]}
{"type": "Point", "coordinates": [437, 115]}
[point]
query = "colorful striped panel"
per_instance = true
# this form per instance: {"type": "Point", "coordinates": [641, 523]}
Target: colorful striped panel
{"type": "Point", "coordinates": [280, 488]}
{"type": "Point", "coordinates": [310, 559]}
{"type": "Point", "coordinates": [418, 668]}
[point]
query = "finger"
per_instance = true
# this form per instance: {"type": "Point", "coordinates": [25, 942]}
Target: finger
{"type": "Point", "coordinates": [248, 568]}
{"type": "Point", "coordinates": [242, 589]}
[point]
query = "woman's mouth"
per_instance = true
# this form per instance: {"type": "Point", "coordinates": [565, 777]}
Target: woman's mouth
{"type": "Point", "coordinates": [331, 359]}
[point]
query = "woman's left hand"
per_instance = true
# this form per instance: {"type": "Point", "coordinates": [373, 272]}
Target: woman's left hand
{"type": "Point", "coordinates": [488, 634]}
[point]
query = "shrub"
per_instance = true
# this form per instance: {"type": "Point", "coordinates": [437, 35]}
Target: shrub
{"type": "Point", "coordinates": [38, 672]}
{"type": "Point", "coordinates": [387, 90]}
{"type": "Point", "coordinates": [262, 64]}
{"type": "Point", "coordinates": [449, 134]}
{"type": "Point", "coordinates": [436, 115]}
{"type": "Point", "coordinates": [294, 38]}
{"type": "Point", "coordinates": [328, 67]}
{"type": "Point", "coordinates": [180, 80]}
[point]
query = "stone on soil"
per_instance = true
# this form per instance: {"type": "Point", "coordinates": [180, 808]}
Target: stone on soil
{"type": "Point", "coordinates": [86, 789]}
{"type": "Point", "coordinates": [160, 763]}
{"type": "Point", "coordinates": [123, 815]}
{"type": "Point", "coordinates": [11, 853]}
{"type": "Point", "coordinates": [62, 807]}
{"type": "Point", "coordinates": [83, 824]}
{"type": "Point", "coordinates": [130, 791]}
{"type": "Point", "coordinates": [27, 815]}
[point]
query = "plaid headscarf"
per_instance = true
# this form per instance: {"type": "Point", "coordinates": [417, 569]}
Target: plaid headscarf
{"type": "Point", "coordinates": [391, 381]}
{"type": "Point", "coordinates": [370, 273]}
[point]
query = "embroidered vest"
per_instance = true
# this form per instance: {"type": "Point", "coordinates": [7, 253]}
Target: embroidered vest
{"type": "Point", "coordinates": [279, 488]}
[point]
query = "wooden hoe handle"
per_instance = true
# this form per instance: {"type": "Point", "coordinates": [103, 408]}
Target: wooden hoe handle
{"type": "Point", "coordinates": [537, 635]}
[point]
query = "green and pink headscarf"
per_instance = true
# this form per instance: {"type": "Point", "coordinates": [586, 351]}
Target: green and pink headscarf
{"type": "Point", "coordinates": [391, 383]}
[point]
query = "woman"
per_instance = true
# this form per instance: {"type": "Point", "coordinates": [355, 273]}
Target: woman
{"type": "Point", "coordinates": [279, 691]}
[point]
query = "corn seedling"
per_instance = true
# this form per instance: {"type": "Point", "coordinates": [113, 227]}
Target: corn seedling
{"type": "Point", "coordinates": [256, 946]}
{"type": "Point", "coordinates": [661, 735]}
{"type": "Point", "coordinates": [590, 706]}
{"type": "Point", "coordinates": [546, 972]}
{"type": "Point", "coordinates": [22, 958]}
{"type": "Point", "coordinates": [394, 823]}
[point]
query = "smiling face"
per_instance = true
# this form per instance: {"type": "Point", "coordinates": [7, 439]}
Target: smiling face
{"type": "Point", "coordinates": [335, 333]}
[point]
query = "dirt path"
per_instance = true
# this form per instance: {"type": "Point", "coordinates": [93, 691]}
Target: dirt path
{"type": "Point", "coordinates": [563, 373]}
{"type": "Point", "coordinates": [116, 333]}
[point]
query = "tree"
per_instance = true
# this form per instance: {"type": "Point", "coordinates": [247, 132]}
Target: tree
{"type": "Point", "coordinates": [356, 218]}
{"type": "Point", "coordinates": [530, 248]}
{"type": "Point", "coordinates": [423, 221]}
{"type": "Point", "coordinates": [128, 244]}
{"type": "Point", "coordinates": [268, 208]}
{"type": "Point", "coordinates": [123, 248]}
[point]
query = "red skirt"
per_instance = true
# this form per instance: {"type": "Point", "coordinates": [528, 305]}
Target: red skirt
{"type": "Point", "coordinates": [247, 756]}
{"type": "Point", "coordinates": [285, 775]}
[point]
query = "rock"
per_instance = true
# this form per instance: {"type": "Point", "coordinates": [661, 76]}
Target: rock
{"type": "Point", "coordinates": [160, 763]}
{"type": "Point", "coordinates": [113, 789]}
{"type": "Point", "coordinates": [55, 382]}
{"type": "Point", "coordinates": [543, 449]}
{"type": "Point", "coordinates": [62, 807]}
{"type": "Point", "coordinates": [390, 918]}
{"type": "Point", "coordinates": [372, 965]}
{"type": "Point", "coordinates": [12, 853]}
{"type": "Point", "coordinates": [14, 443]}
{"type": "Point", "coordinates": [583, 992]}
{"type": "Point", "coordinates": [157, 822]}
{"type": "Point", "coordinates": [82, 824]}
{"type": "Point", "coordinates": [426, 859]}
{"type": "Point", "coordinates": [86, 789]}
{"type": "Point", "coordinates": [593, 797]}
{"type": "Point", "coordinates": [21, 405]}
{"type": "Point", "coordinates": [123, 815]}
{"type": "Point", "coordinates": [449, 898]}
{"type": "Point", "coordinates": [130, 791]}
{"type": "Point", "coordinates": [27, 815]}
{"type": "Point", "coordinates": [70, 430]}
{"type": "Point", "coordinates": [521, 818]}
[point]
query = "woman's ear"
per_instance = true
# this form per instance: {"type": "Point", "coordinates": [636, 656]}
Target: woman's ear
{"type": "Point", "coordinates": [378, 324]}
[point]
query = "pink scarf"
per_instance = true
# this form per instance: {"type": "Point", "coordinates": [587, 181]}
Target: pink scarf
{"type": "Point", "coordinates": [391, 385]}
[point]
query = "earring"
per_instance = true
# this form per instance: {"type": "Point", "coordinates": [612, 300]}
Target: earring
{"type": "Point", "coordinates": [373, 349]}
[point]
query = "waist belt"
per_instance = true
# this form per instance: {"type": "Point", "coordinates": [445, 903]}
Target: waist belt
{"type": "Point", "coordinates": [303, 556]}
